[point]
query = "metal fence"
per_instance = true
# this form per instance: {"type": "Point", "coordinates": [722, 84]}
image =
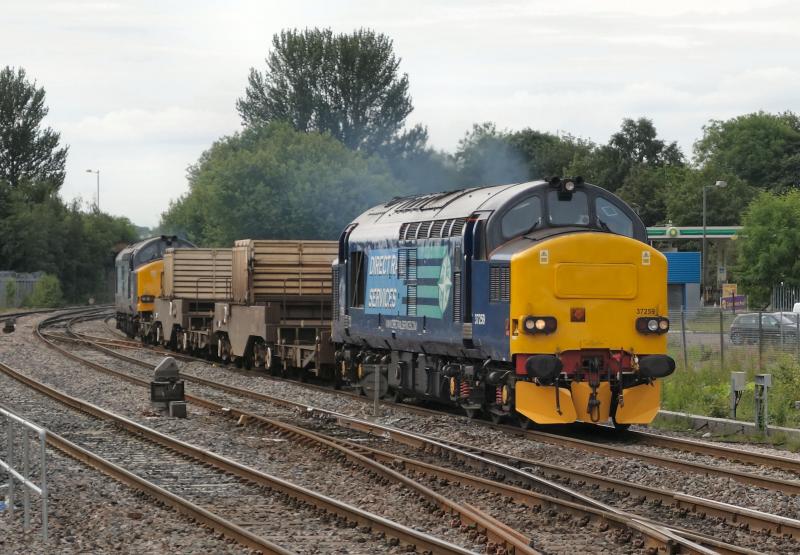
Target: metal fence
{"type": "Point", "coordinates": [15, 288]}
{"type": "Point", "coordinates": [21, 464]}
{"type": "Point", "coordinates": [732, 340]}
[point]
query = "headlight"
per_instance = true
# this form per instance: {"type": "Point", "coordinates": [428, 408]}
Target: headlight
{"type": "Point", "coordinates": [539, 324]}
{"type": "Point", "coordinates": [652, 325]}
{"type": "Point", "coordinates": [148, 298]}
{"type": "Point", "coordinates": [569, 186]}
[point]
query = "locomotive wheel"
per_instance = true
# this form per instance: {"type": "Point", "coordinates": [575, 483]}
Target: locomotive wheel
{"type": "Point", "coordinates": [471, 413]}
{"type": "Point", "coordinates": [495, 417]}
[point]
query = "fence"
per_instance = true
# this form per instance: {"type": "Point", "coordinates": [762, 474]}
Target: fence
{"type": "Point", "coordinates": [14, 287]}
{"type": "Point", "coordinates": [18, 447]}
{"type": "Point", "coordinates": [744, 340]}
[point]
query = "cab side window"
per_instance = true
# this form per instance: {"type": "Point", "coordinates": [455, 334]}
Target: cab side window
{"type": "Point", "coordinates": [523, 217]}
{"type": "Point", "coordinates": [358, 279]}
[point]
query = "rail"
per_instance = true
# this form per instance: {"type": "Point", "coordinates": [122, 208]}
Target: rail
{"type": "Point", "coordinates": [24, 476]}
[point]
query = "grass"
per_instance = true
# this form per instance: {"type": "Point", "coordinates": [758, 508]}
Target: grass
{"type": "Point", "coordinates": [704, 388]}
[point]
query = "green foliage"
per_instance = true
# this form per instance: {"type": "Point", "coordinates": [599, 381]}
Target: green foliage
{"type": "Point", "coordinates": [486, 156]}
{"type": "Point", "coordinates": [11, 293]}
{"type": "Point", "coordinates": [274, 182]}
{"type": "Point", "coordinates": [62, 240]}
{"type": "Point", "coordinates": [705, 390]}
{"type": "Point", "coordinates": [46, 293]}
{"type": "Point", "coordinates": [548, 155]}
{"type": "Point", "coordinates": [30, 159]}
{"type": "Point", "coordinates": [635, 145]}
{"type": "Point", "coordinates": [724, 205]}
{"type": "Point", "coordinates": [762, 149]}
{"type": "Point", "coordinates": [347, 85]}
{"type": "Point", "coordinates": [769, 248]}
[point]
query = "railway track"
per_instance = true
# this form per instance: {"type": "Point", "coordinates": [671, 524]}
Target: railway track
{"type": "Point", "coordinates": [631, 437]}
{"type": "Point", "coordinates": [496, 532]}
{"type": "Point", "coordinates": [640, 438]}
{"type": "Point", "coordinates": [732, 514]}
{"type": "Point", "coordinates": [159, 465]}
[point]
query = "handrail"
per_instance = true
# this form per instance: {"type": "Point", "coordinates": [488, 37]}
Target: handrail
{"type": "Point", "coordinates": [24, 476]}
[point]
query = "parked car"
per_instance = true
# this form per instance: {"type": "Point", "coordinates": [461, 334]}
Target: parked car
{"type": "Point", "coordinates": [774, 328]}
{"type": "Point", "coordinates": [792, 317]}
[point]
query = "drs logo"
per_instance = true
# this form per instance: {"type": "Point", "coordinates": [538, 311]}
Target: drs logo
{"type": "Point", "coordinates": [385, 289]}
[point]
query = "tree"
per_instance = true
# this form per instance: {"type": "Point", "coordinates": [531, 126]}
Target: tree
{"type": "Point", "coordinates": [347, 85]}
{"type": "Point", "coordinates": [75, 246]}
{"type": "Point", "coordinates": [724, 206]}
{"type": "Point", "coordinates": [548, 155]}
{"type": "Point", "coordinates": [485, 156]}
{"type": "Point", "coordinates": [634, 145]}
{"type": "Point", "coordinates": [646, 190]}
{"type": "Point", "coordinates": [273, 182]}
{"type": "Point", "coordinates": [760, 148]}
{"type": "Point", "coordinates": [30, 157]}
{"type": "Point", "coordinates": [769, 247]}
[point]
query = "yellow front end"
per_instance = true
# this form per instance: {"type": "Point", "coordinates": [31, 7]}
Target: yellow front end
{"type": "Point", "coordinates": [595, 286]}
{"type": "Point", "coordinates": [148, 286]}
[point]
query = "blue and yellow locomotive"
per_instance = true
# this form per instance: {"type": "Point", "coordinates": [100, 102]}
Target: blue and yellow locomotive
{"type": "Point", "coordinates": [138, 270]}
{"type": "Point", "coordinates": [540, 300]}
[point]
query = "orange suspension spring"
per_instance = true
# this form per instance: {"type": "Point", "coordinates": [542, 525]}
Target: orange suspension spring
{"type": "Point", "coordinates": [465, 390]}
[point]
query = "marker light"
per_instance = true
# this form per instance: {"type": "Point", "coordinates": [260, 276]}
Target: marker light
{"type": "Point", "coordinates": [569, 186]}
{"type": "Point", "coordinates": [657, 325]}
{"type": "Point", "coordinates": [539, 324]}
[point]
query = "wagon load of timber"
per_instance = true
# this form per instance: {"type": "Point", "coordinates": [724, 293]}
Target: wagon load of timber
{"type": "Point", "coordinates": [198, 274]}
{"type": "Point", "coordinates": [270, 270]}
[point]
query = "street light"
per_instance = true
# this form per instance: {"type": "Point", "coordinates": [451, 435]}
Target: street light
{"type": "Point", "coordinates": [703, 263]}
{"type": "Point", "coordinates": [98, 186]}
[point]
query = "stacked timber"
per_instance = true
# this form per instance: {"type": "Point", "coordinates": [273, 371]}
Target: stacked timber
{"type": "Point", "coordinates": [198, 274]}
{"type": "Point", "coordinates": [269, 270]}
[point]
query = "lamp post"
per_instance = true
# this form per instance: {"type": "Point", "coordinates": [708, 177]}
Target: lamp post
{"type": "Point", "coordinates": [703, 262]}
{"type": "Point", "coordinates": [97, 172]}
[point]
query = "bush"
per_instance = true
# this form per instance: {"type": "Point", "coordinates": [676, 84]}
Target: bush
{"type": "Point", "coordinates": [704, 389]}
{"type": "Point", "coordinates": [46, 293]}
{"type": "Point", "coordinates": [11, 294]}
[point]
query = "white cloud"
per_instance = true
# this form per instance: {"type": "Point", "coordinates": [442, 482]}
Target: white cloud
{"type": "Point", "coordinates": [141, 88]}
{"type": "Point", "coordinates": [170, 125]}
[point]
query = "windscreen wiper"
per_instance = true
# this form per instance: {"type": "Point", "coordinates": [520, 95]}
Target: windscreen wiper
{"type": "Point", "coordinates": [603, 225]}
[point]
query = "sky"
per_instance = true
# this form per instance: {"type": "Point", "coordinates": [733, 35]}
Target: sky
{"type": "Point", "coordinates": [139, 89]}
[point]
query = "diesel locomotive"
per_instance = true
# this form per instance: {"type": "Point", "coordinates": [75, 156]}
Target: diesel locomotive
{"type": "Point", "coordinates": [138, 281]}
{"type": "Point", "coordinates": [538, 300]}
